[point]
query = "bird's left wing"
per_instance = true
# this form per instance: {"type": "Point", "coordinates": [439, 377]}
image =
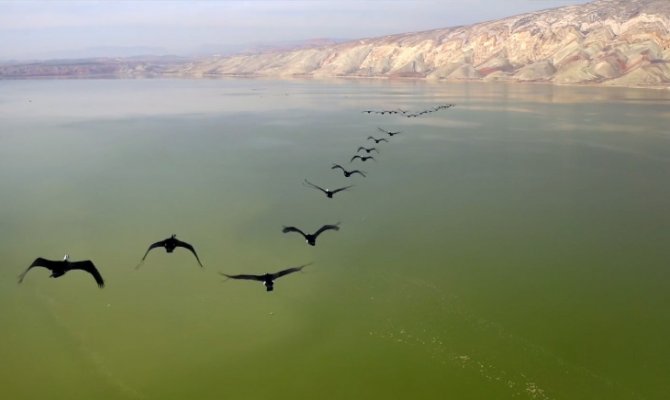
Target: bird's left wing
{"type": "Point", "coordinates": [243, 276]}
{"type": "Point", "coordinates": [39, 262]}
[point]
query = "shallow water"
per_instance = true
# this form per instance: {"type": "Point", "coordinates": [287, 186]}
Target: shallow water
{"type": "Point", "coordinates": [512, 247]}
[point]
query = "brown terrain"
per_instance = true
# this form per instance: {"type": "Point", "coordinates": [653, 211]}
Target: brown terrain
{"type": "Point", "coordinates": [607, 42]}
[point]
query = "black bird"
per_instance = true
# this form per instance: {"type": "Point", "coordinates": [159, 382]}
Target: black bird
{"type": "Point", "coordinates": [368, 111]}
{"type": "Point", "coordinates": [311, 238]}
{"type": "Point", "coordinates": [267, 279]}
{"type": "Point", "coordinates": [328, 192]}
{"type": "Point", "coordinates": [362, 158]}
{"type": "Point", "coordinates": [60, 267]}
{"type": "Point", "coordinates": [389, 132]}
{"type": "Point", "coordinates": [367, 149]}
{"type": "Point", "coordinates": [170, 244]}
{"type": "Point", "coordinates": [348, 173]}
{"type": "Point", "coordinates": [377, 140]}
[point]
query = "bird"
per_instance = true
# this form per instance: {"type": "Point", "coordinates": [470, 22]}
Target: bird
{"type": "Point", "coordinates": [389, 132]}
{"type": "Point", "coordinates": [367, 149]}
{"type": "Point", "coordinates": [367, 111]}
{"type": "Point", "coordinates": [170, 244]}
{"type": "Point", "coordinates": [329, 193]}
{"type": "Point", "coordinates": [311, 238]}
{"type": "Point", "coordinates": [362, 158]}
{"type": "Point", "coordinates": [267, 279]}
{"type": "Point", "coordinates": [60, 267]}
{"type": "Point", "coordinates": [348, 173]}
{"type": "Point", "coordinates": [377, 140]}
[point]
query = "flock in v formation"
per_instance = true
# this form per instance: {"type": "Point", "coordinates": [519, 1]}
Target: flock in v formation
{"type": "Point", "coordinates": [60, 267]}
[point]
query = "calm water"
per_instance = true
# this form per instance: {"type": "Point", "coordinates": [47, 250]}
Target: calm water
{"type": "Point", "coordinates": [516, 246]}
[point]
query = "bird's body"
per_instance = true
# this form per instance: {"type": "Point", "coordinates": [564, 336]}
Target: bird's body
{"type": "Point", "coordinates": [60, 267]}
{"type": "Point", "coordinates": [367, 149]}
{"type": "Point", "coordinates": [329, 193]}
{"type": "Point", "coordinates": [267, 279]}
{"type": "Point", "coordinates": [348, 173]}
{"type": "Point", "coordinates": [390, 133]}
{"type": "Point", "coordinates": [362, 158]}
{"type": "Point", "coordinates": [377, 141]}
{"type": "Point", "coordinates": [310, 238]}
{"type": "Point", "coordinates": [170, 244]}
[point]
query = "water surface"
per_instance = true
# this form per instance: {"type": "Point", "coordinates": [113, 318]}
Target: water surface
{"type": "Point", "coordinates": [512, 247]}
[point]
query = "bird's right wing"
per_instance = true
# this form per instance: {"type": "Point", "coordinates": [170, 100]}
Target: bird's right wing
{"type": "Point", "coordinates": [39, 262]}
{"type": "Point", "coordinates": [326, 228]}
{"type": "Point", "coordinates": [288, 271]}
{"type": "Point", "coordinates": [358, 172]}
{"type": "Point", "coordinates": [354, 157]}
{"type": "Point", "coordinates": [188, 247]}
{"type": "Point", "coordinates": [243, 276]}
{"type": "Point", "coordinates": [89, 267]}
{"type": "Point", "coordinates": [341, 189]}
{"type": "Point", "coordinates": [335, 166]}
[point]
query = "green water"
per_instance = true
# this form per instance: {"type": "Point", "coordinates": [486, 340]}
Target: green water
{"type": "Point", "coordinates": [516, 246]}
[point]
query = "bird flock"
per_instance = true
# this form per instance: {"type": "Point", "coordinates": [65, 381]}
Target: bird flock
{"type": "Point", "coordinates": [61, 267]}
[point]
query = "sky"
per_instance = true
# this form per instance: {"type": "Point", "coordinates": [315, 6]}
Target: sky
{"type": "Point", "coordinates": [67, 29]}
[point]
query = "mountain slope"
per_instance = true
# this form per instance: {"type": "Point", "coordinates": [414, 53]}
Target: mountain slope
{"type": "Point", "coordinates": [614, 42]}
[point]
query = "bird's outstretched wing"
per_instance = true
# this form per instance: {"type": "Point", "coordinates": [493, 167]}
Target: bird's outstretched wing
{"type": "Point", "coordinates": [153, 246]}
{"type": "Point", "coordinates": [372, 138]}
{"type": "Point", "coordinates": [288, 229]}
{"type": "Point", "coordinates": [188, 247]}
{"type": "Point", "coordinates": [361, 148]}
{"type": "Point", "coordinates": [341, 189]}
{"type": "Point", "coordinates": [381, 140]}
{"type": "Point", "coordinates": [39, 262]}
{"type": "Point", "coordinates": [355, 157]}
{"type": "Point", "coordinates": [372, 148]}
{"type": "Point", "coordinates": [382, 130]}
{"type": "Point", "coordinates": [358, 172]}
{"type": "Point", "coordinates": [243, 276]}
{"type": "Point", "coordinates": [87, 265]}
{"type": "Point", "coordinates": [335, 166]}
{"type": "Point", "coordinates": [288, 271]}
{"type": "Point", "coordinates": [315, 186]}
{"type": "Point", "coordinates": [324, 228]}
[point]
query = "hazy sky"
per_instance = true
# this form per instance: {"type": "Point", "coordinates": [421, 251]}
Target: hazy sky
{"type": "Point", "coordinates": [48, 29]}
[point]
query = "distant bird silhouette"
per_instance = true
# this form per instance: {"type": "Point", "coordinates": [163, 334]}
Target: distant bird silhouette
{"type": "Point", "coordinates": [170, 244]}
{"type": "Point", "coordinates": [377, 140]}
{"type": "Point", "coordinates": [60, 267]}
{"type": "Point", "coordinates": [368, 111]}
{"type": "Point", "coordinates": [267, 279]}
{"type": "Point", "coordinates": [367, 149]}
{"type": "Point", "coordinates": [311, 238]}
{"type": "Point", "coordinates": [362, 158]}
{"type": "Point", "coordinates": [329, 193]}
{"type": "Point", "coordinates": [390, 133]}
{"type": "Point", "coordinates": [348, 173]}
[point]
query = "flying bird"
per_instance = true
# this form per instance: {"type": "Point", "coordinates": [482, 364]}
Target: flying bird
{"type": "Point", "coordinates": [311, 238]}
{"type": "Point", "coordinates": [170, 244]}
{"type": "Point", "coordinates": [377, 140]}
{"type": "Point", "coordinates": [267, 279]}
{"type": "Point", "coordinates": [329, 193]}
{"type": "Point", "coordinates": [367, 149]}
{"type": "Point", "coordinates": [348, 173]}
{"type": "Point", "coordinates": [60, 267]}
{"type": "Point", "coordinates": [362, 158]}
{"type": "Point", "coordinates": [390, 133]}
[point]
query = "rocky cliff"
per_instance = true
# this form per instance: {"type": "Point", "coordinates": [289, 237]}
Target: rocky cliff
{"type": "Point", "coordinates": [611, 42]}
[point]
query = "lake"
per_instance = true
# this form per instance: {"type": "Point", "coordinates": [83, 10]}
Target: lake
{"type": "Point", "coordinates": [515, 246]}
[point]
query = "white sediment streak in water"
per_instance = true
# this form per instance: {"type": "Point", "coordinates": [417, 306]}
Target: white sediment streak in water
{"type": "Point", "coordinates": [88, 355]}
